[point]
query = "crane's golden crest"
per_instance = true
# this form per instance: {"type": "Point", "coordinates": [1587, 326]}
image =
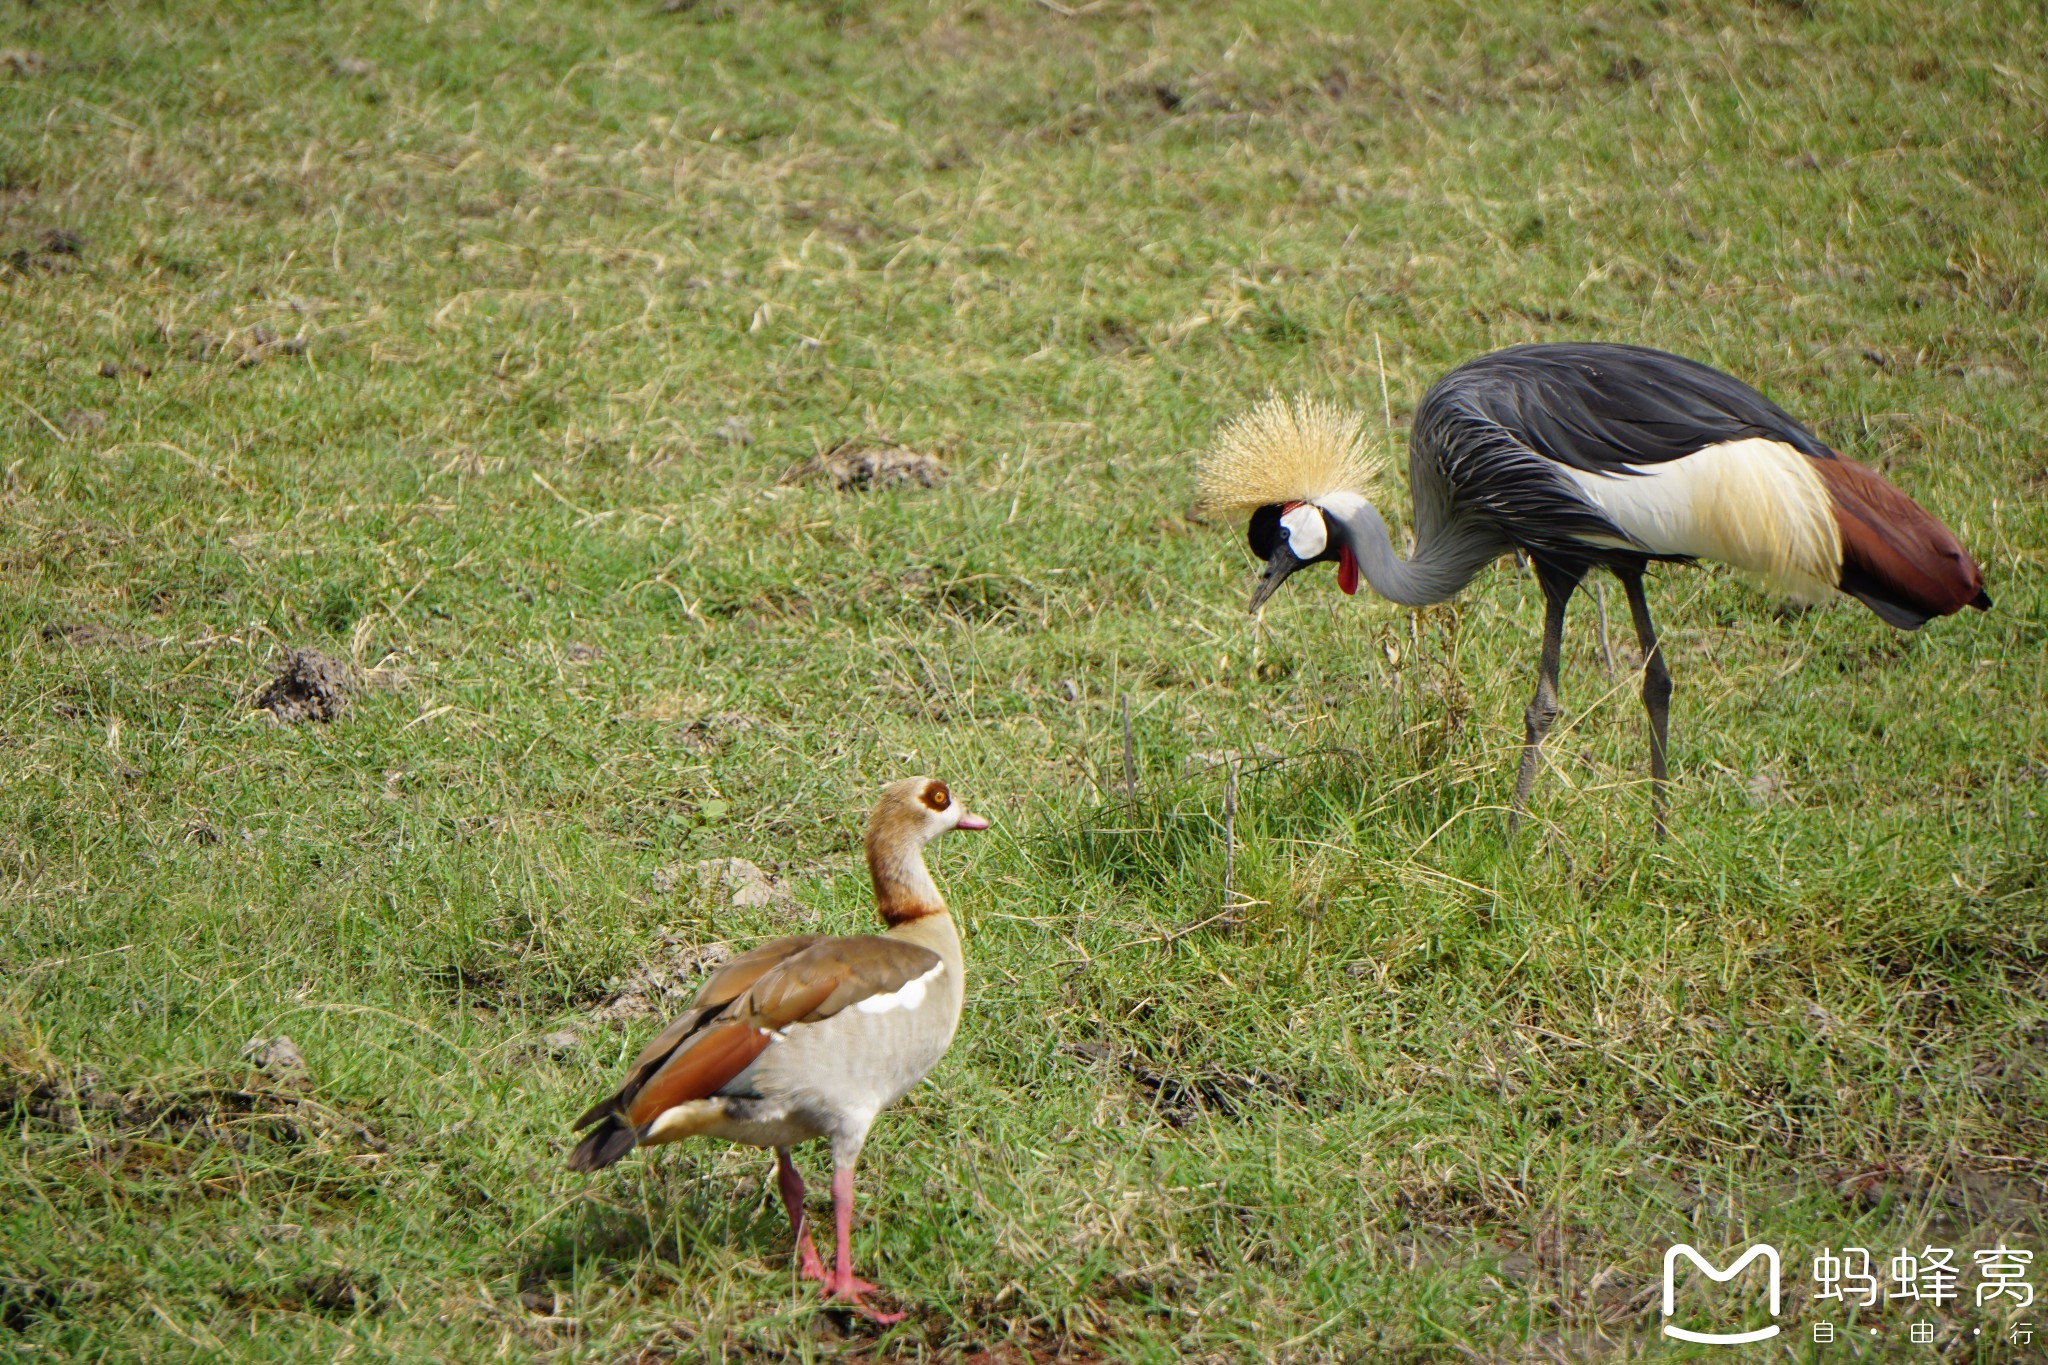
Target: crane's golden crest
{"type": "Point", "coordinates": [1284, 451]}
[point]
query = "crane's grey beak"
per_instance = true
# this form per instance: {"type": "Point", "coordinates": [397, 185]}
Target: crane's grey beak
{"type": "Point", "coordinates": [1282, 563]}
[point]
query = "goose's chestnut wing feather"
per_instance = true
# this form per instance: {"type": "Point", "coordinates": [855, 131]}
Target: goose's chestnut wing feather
{"type": "Point", "coordinates": [782, 984]}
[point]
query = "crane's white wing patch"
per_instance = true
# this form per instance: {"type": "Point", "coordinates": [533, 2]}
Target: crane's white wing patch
{"type": "Point", "coordinates": [1755, 504]}
{"type": "Point", "coordinates": [908, 996]}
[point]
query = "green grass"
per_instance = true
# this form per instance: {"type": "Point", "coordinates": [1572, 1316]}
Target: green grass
{"type": "Point", "coordinates": [1457, 1092]}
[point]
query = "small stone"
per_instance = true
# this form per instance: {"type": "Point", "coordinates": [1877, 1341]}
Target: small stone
{"type": "Point", "coordinates": [744, 883]}
{"type": "Point", "coordinates": [561, 1041]}
{"type": "Point", "coordinates": [1991, 375]}
{"type": "Point", "coordinates": [1223, 758]}
{"type": "Point", "coordinates": [279, 1055]}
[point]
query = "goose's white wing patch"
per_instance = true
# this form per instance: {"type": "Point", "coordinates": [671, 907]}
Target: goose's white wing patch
{"type": "Point", "coordinates": [908, 996]}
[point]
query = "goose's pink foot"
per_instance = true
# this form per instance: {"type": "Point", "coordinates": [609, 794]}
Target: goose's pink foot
{"type": "Point", "coordinates": [791, 1184]}
{"type": "Point", "coordinates": [844, 1286]}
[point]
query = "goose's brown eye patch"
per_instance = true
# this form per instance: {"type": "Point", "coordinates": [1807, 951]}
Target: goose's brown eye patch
{"type": "Point", "coordinates": [937, 797]}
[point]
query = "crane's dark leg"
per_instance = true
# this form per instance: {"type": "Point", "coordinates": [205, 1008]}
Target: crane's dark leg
{"type": "Point", "coordinates": [1558, 586]}
{"type": "Point", "coordinates": [1656, 689]}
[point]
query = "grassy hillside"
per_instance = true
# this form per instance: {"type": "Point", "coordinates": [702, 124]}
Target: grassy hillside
{"type": "Point", "coordinates": [491, 348]}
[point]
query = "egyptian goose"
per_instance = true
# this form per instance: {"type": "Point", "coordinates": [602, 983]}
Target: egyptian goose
{"type": "Point", "coordinates": [810, 1036]}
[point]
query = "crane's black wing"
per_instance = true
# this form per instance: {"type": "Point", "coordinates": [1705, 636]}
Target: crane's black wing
{"type": "Point", "coordinates": [1503, 427]}
{"type": "Point", "coordinates": [1602, 407]}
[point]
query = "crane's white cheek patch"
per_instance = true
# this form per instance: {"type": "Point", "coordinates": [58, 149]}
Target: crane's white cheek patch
{"type": "Point", "coordinates": [908, 996]}
{"type": "Point", "coordinates": [1306, 534]}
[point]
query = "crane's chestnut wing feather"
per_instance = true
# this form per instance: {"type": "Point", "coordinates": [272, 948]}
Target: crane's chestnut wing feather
{"type": "Point", "coordinates": [1896, 559]}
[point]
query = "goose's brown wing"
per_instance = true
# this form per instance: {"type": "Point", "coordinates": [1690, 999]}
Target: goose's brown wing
{"type": "Point", "coordinates": [791, 981]}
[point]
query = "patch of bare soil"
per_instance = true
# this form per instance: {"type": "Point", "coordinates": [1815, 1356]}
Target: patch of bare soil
{"type": "Point", "coordinates": [115, 1123]}
{"type": "Point", "coordinates": [729, 881]}
{"type": "Point", "coordinates": [859, 464]}
{"type": "Point", "coordinates": [331, 1292]}
{"type": "Point", "coordinates": [1956, 1203]}
{"type": "Point", "coordinates": [663, 986]}
{"type": "Point", "coordinates": [56, 252]}
{"type": "Point", "coordinates": [92, 635]}
{"type": "Point", "coordinates": [243, 347]}
{"type": "Point", "coordinates": [311, 686]}
{"type": "Point", "coordinates": [28, 1299]}
{"type": "Point", "coordinates": [1183, 1096]}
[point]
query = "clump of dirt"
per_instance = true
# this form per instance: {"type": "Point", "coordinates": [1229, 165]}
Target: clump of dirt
{"type": "Point", "coordinates": [311, 686]}
{"type": "Point", "coordinates": [339, 1292]}
{"type": "Point", "coordinates": [665, 985]}
{"type": "Point", "coordinates": [710, 733]}
{"type": "Point", "coordinates": [19, 61]}
{"type": "Point", "coordinates": [859, 464]}
{"type": "Point", "coordinates": [333, 1291]}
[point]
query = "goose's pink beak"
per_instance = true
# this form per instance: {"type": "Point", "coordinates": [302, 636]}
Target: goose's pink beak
{"type": "Point", "coordinates": [971, 821]}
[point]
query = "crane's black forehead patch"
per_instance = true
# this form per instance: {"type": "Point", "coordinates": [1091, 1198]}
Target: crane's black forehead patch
{"type": "Point", "coordinates": [1264, 532]}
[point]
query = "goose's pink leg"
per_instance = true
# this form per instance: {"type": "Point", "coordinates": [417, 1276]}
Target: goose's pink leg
{"type": "Point", "coordinates": [844, 1285]}
{"type": "Point", "coordinates": [792, 1185]}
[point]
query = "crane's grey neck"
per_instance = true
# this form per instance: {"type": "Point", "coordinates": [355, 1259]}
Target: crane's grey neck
{"type": "Point", "coordinates": [1448, 550]}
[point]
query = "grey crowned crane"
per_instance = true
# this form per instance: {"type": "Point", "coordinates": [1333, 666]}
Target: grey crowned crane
{"type": "Point", "coordinates": [1583, 457]}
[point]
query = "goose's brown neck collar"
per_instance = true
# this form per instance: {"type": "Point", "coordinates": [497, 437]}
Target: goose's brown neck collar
{"type": "Point", "coordinates": [904, 890]}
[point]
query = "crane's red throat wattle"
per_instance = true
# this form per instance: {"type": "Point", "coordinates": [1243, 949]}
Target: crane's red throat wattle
{"type": "Point", "coordinates": [1347, 570]}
